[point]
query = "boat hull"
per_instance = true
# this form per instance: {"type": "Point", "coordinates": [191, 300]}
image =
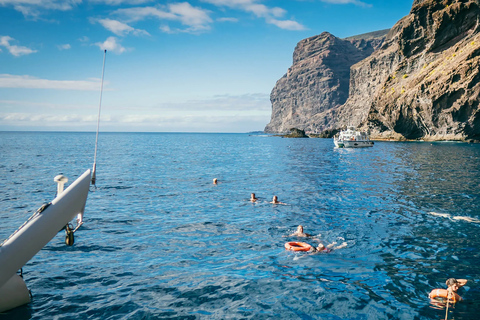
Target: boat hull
{"type": "Point", "coordinates": [353, 144]}
{"type": "Point", "coordinates": [13, 293]}
{"type": "Point", "coordinates": [42, 227]}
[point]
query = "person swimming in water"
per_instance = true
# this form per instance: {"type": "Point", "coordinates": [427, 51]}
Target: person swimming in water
{"type": "Point", "coordinates": [275, 200]}
{"type": "Point", "coordinates": [253, 198]}
{"type": "Point", "coordinates": [450, 293]}
{"type": "Point", "coordinates": [300, 233]}
{"type": "Point", "coordinates": [307, 248]}
{"type": "Point", "coordinates": [215, 181]}
{"type": "Point", "coordinates": [320, 248]}
{"type": "Point", "coordinates": [329, 248]}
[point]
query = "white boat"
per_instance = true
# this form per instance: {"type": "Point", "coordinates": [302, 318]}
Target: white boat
{"type": "Point", "coordinates": [42, 227]}
{"type": "Point", "coordinates": [35, 233]}
{"type": "Point", "coordinates": [352, 138]}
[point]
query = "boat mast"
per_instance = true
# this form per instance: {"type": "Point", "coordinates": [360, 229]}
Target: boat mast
{"type": "Point", "coordinates": [98, 122]}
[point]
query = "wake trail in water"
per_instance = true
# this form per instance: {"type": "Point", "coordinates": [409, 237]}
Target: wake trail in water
{"type": "Point", "coordinates": [451, 217]}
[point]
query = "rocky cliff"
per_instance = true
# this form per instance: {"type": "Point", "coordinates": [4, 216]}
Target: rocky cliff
{"type": "Point", "coordinates": [318, 80]}
{"type": "Point", "coordinates": [422, 82]}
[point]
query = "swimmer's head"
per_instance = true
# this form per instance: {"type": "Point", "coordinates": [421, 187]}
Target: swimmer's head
{"type": "Point", "coordinates": [215, 181]}
{"type": "Point", "coordinates": [453, 283]}
{"type": "Point", "coordinates": [300, 229]}
{"type": "Point", "coordinates": [275, 199]}
{"type": "Point", "coordinates": [253, 196]}
{"type": "Point", "coordinates": [320, 247]}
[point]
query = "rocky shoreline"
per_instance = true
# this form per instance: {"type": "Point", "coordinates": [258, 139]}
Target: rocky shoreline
{"type": "Point", "coordinates": [420, 80]}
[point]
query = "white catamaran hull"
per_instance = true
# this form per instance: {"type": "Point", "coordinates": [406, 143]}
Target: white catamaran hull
{"type": "Point", "coordinates": [352, 144]}
{"type": "Point", "coordinates": [34, 235]}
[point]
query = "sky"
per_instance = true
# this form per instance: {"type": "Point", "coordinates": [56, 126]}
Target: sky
{"type": "Point", "coordinates": [170, 66]}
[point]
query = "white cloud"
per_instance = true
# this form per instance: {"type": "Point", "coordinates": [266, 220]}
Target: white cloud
{"type": "Point", "coordinates": [246, 102]}
{"type": "Point", "coordinates": [286, 24]}
{"type": "Point", "coordinates": [227, 20]}
{"type": "Point", "coordinates": [224, 113]}
{"type": "Point", "coordinates": [196, 18]}
{"type": "Point", "coordinates": [355, 2]}
{"type": "Point", "coordinates": [189, 123]}
{"type": "Point", "coordinates": [47, 122]}
{"type": "Point", "coordinates": [111, 44]}
{"type": "Point", "coordinates": [141, 13]}
{"type": "Point", "coordinates": [22, 105]}
{"type": "Point", "coordinates": [270, 14]}
{"type": "Point", "coordinates": [134, 123]}
{"type": "Point", "coordinates": [64, 46]}
{"type": "Point", "coordinates": [14, 49]}
{"type": "Point", "coordinates": [193, 18]}
{"type": "Point", "coordinates": [14, 81]}
{"type": "Point", "coordinates": [120, 2]}
{"type": "Point", "coordinates": [120, 28]}
{"type": "Point", "coordinates": [263, 11]}
{"type": "Point", "coordinates": [166, 29]}
{"type": "Point", "coordinates": [35, 8]}
{"type": "Point", "coordinates": [46, 118]}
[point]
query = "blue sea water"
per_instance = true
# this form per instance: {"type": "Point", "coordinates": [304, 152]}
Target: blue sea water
{"type": "Point", "coordinates": [160, 241]}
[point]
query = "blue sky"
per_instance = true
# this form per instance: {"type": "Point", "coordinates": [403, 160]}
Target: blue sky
{"type": "Point", "coordinates": [171, 66]}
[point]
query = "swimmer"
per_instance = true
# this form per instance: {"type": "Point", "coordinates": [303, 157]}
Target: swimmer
{"type": "Point", "coordinates": [215, 181]}
{"type": "Point", "coordinates": [327, 249]}
{"type": "Point", "coordinates": [451, 293]}
{"type": "Point", "coordinates": [253, 198]}
{"type": "Point", "coordinates": [305, 247]}
{"type": "Point", "coordinates": [275, 201]}
{"type": "Point", "coordinates": [300, 233]}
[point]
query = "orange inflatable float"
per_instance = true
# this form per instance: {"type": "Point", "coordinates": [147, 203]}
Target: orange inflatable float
{"type": "Point", "coordinates": [297, 246]}
{"type": "Point", "coordinates": [443, 293]}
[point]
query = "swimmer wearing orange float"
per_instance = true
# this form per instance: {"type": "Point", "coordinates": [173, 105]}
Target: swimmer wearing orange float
{"type": "Point", "coordinates": [449, 294]}
{"type": "Point", "coordinates": [305, 247]}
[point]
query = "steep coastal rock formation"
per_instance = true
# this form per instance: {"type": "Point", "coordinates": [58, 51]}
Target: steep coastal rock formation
{"type": "Point", "coordinates": [318, 80]}
{"type": "Point", "coordinates": [422, 83]}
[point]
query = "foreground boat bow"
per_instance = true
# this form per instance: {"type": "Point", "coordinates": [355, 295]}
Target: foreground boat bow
{"type": "Point", "coordinates": [33, 235]}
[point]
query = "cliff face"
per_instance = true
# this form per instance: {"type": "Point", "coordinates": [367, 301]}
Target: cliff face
{"type": "Point", "coordinates": [423, 82]}
{"type": "Point", "coordinates": [317, 81]}
{"type": "Point", "coordinates": [432, 93]}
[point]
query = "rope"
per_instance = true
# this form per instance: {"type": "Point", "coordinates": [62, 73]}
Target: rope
{"type": "Point", "coordinates": [39, 211]}
{"type": "Point", "coordinates": [98, 122]}
{"type": "Point", "coordinates": [446, 313]}
{"type": "Point", "coordinates": [448, 300]}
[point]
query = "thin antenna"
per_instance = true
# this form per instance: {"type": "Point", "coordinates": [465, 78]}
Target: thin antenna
{"type": "Point", "coordinates": [98, 123]}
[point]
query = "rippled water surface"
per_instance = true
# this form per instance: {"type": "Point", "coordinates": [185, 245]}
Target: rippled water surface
{"type": "Point", "coordinates": [161, 241]}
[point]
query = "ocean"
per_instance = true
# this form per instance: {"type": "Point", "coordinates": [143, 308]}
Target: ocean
{"type": "Point", "coordinates": [161, 241]}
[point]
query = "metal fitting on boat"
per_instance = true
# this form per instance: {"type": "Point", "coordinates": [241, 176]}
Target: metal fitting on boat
{"type": "Point", "coordinates": [60, 180]}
